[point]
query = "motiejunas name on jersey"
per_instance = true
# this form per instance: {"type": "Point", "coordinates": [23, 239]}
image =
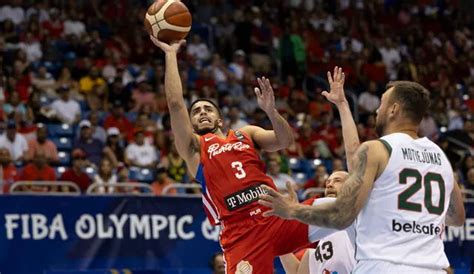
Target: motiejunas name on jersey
{"type": "Point", "coordinates": [416, 228]}
{"type": "Point", "coordinates": [424, 157]}
{"type": "Point", "coordinates": [244, 197]}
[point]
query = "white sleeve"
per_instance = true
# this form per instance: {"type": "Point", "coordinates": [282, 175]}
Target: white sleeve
{"type": "Point", "coordinates": [129, 152]}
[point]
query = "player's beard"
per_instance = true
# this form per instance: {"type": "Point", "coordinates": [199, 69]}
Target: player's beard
{"type": "Point", "coordinates": [204, 131]}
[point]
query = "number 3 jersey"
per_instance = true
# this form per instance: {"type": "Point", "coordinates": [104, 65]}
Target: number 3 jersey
{"type": "Point", "coordinates": [334, 253]}
{"type": "Point", "coordinates": [404, 218]}
{"type": "Point", "coordinates": [231, 174]}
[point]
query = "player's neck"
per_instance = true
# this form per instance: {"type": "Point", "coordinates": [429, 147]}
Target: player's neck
{"type": "Point", "coordinates": [219, 133]}
{"type": "Point", "coordinates": [407, 128]}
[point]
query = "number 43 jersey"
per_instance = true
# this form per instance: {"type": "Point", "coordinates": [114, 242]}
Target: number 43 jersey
{"type": "Point", "coordinates": [231, 174]}
{"type": "Point", "coordinates": [334, 253]}
{"type": "Point", "coordinates": [403, 220]}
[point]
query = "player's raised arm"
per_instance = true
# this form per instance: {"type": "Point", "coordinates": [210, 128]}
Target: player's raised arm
{"type": "Point", "coordinates": [350, 200]}
{"type": "Point", "coordinates": [456, 215]}
{"type": "Point", "coordinates": [282, 135]}
{"type": "Point", "coordinates": [187, 144]}
{"type": "Point", "coordinates": [349, 128]}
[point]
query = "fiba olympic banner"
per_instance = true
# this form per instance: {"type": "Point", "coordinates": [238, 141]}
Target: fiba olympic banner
{"type": "Point", "coordinates": [44, 233]}
{"type": "Point", "coordinates": [459, 242]}
{"type": "Point", "coordinates": [41, 233]}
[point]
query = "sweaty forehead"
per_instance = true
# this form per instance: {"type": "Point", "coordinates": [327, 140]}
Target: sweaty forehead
{"type": "Point", "coordinates": [339, 175]}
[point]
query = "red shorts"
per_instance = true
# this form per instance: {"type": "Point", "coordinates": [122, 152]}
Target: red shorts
{"type": "Point", "coordinates": [253, 243]}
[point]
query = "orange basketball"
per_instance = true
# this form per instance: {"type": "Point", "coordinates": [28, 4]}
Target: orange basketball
{"type": "Point", "coordinates": [168, 20]}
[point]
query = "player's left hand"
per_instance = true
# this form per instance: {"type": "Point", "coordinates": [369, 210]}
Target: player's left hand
{"type": "Point", "coordinates": [168, 48]}
{"type": "Point", "coordinates": [336, 83]}
{"type": "Point", "coordinates": [280, 205]}
{"type": "Point", "coordinates": [265, 96]}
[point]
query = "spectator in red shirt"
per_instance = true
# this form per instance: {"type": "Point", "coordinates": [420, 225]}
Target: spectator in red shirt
{"type": "Point", "coordinates": [10, 174]}
{"type": "Point", "coordinates": [117, 118]}
{"type": "Point", "coordinates": [54, 26]}
{"type": "Point", "coordinates": [319, 178]}
{"type": "Point", "coordinates": [75, 173]}
{"type": "Point", "coordinates": [38, 170]}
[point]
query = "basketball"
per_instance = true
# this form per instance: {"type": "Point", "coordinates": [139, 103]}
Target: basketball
{"type": "Point", "coordinates": [168, 20]}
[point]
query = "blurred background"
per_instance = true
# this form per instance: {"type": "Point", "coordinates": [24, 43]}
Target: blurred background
{"type": "Point", "coordinates": [85, 127]}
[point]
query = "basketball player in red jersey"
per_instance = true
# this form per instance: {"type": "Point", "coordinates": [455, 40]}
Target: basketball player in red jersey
{"type": "Point", "coordinates": [232, 174]}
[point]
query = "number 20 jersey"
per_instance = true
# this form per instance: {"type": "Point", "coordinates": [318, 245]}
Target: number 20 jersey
{"type": "Point", "coordinates": [404, 218]}
{"type": "Point", "coordinates": [231, 174]}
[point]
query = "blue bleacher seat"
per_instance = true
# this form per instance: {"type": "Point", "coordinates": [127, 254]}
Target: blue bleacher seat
{"type": "Point", "coordinates": [60, 130]}
{"type": "Point", "coordinates": [62, 143]}
{"type": "Point", "coordinates": [131, 116]}
{"type": "Point", "coordinates": [91, 171]}
{"type": "Point", "coordinates": [60, 170]}
{"type": "Point", "coordinates": [64, 158]}
{"type": "Point", "coordinates": [141, 175]}
{"type": "Point", "coordinates": [299, 177]}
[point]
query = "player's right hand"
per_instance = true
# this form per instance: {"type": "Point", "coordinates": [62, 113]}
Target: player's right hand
{"type": "Point", "coordinates": [172, 48]}
{"type": "Point", "coordinates": [336, 83]}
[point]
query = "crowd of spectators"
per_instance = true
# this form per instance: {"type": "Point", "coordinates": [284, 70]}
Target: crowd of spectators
{"type": "Point", "coordinates": [90, 65]}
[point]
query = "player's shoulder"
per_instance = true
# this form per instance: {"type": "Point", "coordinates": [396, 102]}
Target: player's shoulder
{"type": "Point", "coordinates": [372, 147]}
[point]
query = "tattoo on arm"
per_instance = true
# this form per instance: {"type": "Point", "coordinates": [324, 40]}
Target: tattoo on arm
{"type": "Point", "coordinates": [342, 212]}
{"type": "Point", "coordinates": [451, 210]}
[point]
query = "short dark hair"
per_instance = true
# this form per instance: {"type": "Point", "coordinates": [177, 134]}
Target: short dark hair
{"type": "Point", "coordinates": [413, 97]}
{"type": "Point", "coordinates": [212, 261]}
{"type": "Point", "coordinates": [205, 100]}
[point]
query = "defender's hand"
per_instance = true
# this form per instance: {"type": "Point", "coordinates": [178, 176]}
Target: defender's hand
{"type": "Point", "coordinates": [172, 48]}
{"type": "Point", "coordinates": [265, 96]}
{"type": "Point", "coordinates": [280, 205]}
{"type": "Point", "coordinates": [336, 83]}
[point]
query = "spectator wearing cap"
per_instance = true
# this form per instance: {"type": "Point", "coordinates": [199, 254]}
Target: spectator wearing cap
{"type": "Point", "coordinates": [162, 180]}
{"type": "Point", "coordinates": [9, 171]}
{"type": "Point", "coordinates": [14, 142]}
{"type": "Point", "coordinates": [41, 143]}
{"type": "Point", "coordinates": [113, 148]}
{"type": "Point", "coordinates": [117, 119]}
{"type": "Point", "coordinates": [66, 110]}
{"type": "Point", "coordinates": [237, 67]}
{"type": "Point", "coordinates": [75, 173]}
{"type": "Point", "coordinates": [139, 153]}
{"type": "Point", "coordinates": [87, 143]}
{"type": "Point", "coordinates": [38, 169]}
{"type": "Point", "coordinates": [106, 177]}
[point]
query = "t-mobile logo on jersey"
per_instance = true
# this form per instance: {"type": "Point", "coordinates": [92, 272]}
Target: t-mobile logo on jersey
{"type": "Point", "coordinates": [216, 149]}
{"type": "Point", "coordinates": [244, 197]}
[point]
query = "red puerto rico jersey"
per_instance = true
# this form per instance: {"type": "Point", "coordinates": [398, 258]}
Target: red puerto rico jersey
{"type": "Point", "coordinates": [231, 174]}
